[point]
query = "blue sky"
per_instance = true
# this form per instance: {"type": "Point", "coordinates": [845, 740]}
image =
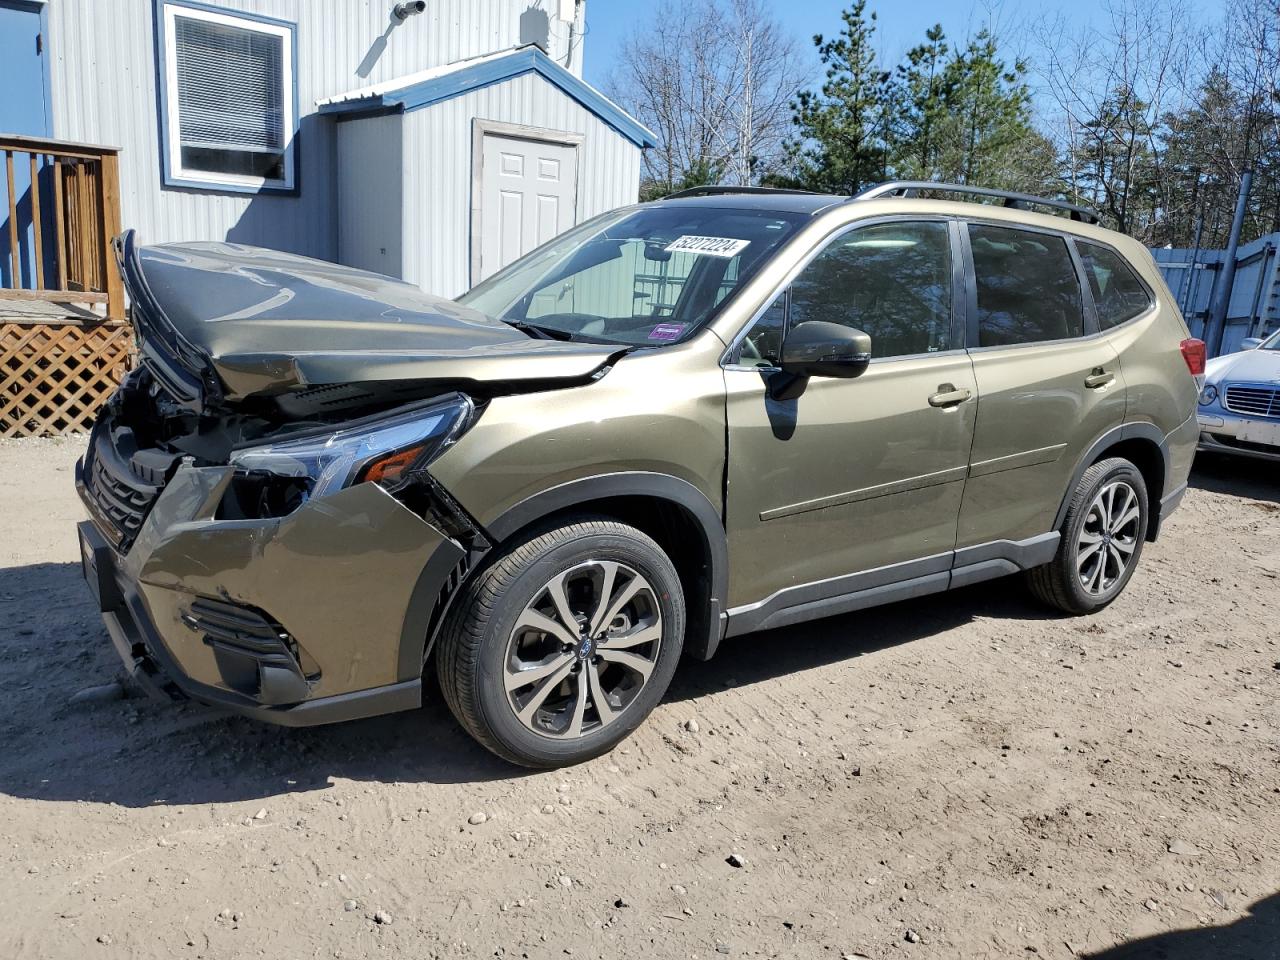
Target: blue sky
{"type": "Point", "coordinates": [900, 25]}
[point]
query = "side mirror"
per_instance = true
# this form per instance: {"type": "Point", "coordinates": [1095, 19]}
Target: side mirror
{"type": "Point", "coordinates": [818, 348]}
{"type": "Point", "coordinates": [1250, 343]}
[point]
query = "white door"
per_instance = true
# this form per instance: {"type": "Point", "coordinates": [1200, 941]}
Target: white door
{"type": "Point", "coordinates": [529, 194]}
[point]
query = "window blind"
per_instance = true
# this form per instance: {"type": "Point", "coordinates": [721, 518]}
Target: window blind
{"type": "Point", "coordinates": [230, 86]}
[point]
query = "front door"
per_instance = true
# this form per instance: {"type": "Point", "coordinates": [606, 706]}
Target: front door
{"type": "Point", "coordinates": [528, 195]}
{"type": "Point", "coordinates": [862, 475]}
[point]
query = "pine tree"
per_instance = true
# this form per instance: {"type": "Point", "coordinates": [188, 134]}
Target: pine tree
{"type": "Point", "coordinates": [923, 107]}
{"type": "Point", "coordinates": [985, 136]}
{"type": "Point", "coordinates": [842, 129]}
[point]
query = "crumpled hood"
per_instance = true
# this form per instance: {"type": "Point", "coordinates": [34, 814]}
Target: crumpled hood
{"type": "Point", "coordinates": [1258, 366]}
{"type": "Point", "coordinates": [269, 321]}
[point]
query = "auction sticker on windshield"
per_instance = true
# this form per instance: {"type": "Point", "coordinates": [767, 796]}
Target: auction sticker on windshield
{"type": "Point", "coordinates": [709, 246]}
{"type": "Point", "coordinates": [667, 331]}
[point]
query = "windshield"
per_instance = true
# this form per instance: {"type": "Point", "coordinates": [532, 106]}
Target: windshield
{"type": "Point", "coordinates": [1271, 343]}
{"type": "Point", "coordinates": [648, 277]}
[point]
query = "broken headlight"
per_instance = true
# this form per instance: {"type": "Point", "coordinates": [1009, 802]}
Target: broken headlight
{"type": "Point", "coordinates": [387, 450]}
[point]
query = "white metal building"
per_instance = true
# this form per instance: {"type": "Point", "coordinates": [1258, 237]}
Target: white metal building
{"type": "Point", "coordinates": [508, 150]}
{"type": "Point", "coordinates": [432, 146]}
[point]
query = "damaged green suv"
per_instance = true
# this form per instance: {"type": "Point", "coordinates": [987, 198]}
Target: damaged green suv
{"type": "Point", "coordinates": [680, 422]}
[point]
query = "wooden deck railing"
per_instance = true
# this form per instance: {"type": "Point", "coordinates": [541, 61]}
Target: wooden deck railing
{"type": "Point", "coordinates": [59, 210]}
{"type": "Point", "coordinates": [59, 224]}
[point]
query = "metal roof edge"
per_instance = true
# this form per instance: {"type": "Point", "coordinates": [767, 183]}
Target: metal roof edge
{"type": "Point", "coordinates": [485, 73]}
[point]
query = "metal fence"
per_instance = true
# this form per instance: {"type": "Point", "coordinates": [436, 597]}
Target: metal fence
{"type": "Point", "coordinates": [1254, 307]}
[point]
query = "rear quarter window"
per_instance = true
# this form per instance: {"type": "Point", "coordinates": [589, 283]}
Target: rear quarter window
{"type": "Point", "coordinates": [1118, 294]}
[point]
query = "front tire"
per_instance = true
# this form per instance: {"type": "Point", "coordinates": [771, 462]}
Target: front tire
{"type": "Point", "coordinates": [560, 647]}
{"type": "Point", "coordinates": [1102, 537]}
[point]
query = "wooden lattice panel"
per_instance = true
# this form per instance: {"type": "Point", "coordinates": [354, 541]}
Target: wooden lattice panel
{"type": "Point", "coordinates": [57, 375]}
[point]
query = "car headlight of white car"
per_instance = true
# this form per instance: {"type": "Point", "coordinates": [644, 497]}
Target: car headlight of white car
{"type": "Point", "coordinates": [1208, 395]}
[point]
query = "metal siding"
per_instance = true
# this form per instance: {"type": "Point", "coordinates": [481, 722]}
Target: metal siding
{"type": "Point", "coordinates": [438, 183]}
{"type": "Point", "coordinates": [1254, 305]}
{"type": "Point", "coordinates": [104, 91]}
{"type": "Point", "coordinates": [370, 194]}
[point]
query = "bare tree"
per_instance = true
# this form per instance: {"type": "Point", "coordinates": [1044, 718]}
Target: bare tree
{"type": "Point", "coordinates": [1112, 89]}
{"type": "Point", "coordinates": [714, 80]}
{"type": "Point", "coordinates": [766, 72]}
{"type": "Point", "coordinates": [1158, 115]}
{"type": "Point", "coordinates": [1248, 61]}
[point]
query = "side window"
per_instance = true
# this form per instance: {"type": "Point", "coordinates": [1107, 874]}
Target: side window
{"type": "Point", "coordinates": [1117, 292]}
{"type": "Point", "coordinates": [763, 345]}
{"type": "Point", "coordinates": [891, 280]}
{"type": "Point", "coordinates": [1028, 290]}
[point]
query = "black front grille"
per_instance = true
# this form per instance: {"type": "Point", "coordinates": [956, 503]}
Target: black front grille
{"type": "Point", "coordinates": [1253, 401]}
{"type": "Point", "coordinates": [119, 498]}
{"type": "Point", "coordinates": [119, 501]}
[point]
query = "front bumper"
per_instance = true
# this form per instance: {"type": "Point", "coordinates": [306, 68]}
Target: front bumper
{"type": "Point", "coordinates": [1222, 431]}
{"type": "Point", "coordinates": [319, 617]}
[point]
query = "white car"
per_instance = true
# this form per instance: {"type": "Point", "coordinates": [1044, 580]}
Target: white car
{"type": "Point", "coordinates": [1240, 403]}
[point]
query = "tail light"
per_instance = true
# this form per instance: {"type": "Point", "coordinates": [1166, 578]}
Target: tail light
{"type": "Point", "coordinates": [1193, 351]}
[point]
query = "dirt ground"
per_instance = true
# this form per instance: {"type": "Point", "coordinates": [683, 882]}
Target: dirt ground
{"type": "Point", "coordinates": [965, 776]}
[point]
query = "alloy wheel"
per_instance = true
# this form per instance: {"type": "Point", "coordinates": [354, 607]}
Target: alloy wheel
{"type": "Point", "coordinates": [582, 649]}
{"type": "Point", "coordinates": [1108, 537]}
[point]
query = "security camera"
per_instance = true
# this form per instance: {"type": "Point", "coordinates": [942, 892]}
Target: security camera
{"type": "Point", "coordinates": [403, 11]}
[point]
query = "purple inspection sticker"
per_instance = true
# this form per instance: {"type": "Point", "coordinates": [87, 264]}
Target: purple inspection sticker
{"type": "Point", "coordinates": [667, 331]}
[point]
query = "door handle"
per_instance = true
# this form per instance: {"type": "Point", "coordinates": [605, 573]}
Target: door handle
{"type": "Point", "coordinates": [949, 396]}
{"type": "Point", "coordinates": [1099, 378]}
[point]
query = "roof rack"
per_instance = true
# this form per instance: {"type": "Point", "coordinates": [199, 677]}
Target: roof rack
{"type": "Point", "coordinates": [719, 191]}
{"type": "Point", "coordinates": [1016, 201]}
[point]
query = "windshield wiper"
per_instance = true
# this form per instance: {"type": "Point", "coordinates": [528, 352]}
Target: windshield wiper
{"type": "Point", "coordinates": [542, 333]}
{"type": "Point", "coordinates": [555, 333]}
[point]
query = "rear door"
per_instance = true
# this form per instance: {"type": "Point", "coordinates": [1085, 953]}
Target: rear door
{"type": "Point", "coordinates": [528, 195]}
{"type": "Point", "coordinates": [1147, 338]}
{"type": "Point", "coordinates": [854, 475]}
{"type": "Point", "coordinates": [1049, 385]}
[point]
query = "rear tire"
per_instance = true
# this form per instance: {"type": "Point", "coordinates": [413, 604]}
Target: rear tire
{"type": "Point", "coordinates": [1102, 538]}
{"type": "Point", "coordinates": [561, 646]}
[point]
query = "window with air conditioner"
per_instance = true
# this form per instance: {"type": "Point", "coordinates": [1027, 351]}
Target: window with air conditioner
{"type": "Point", "coordinates": [228, 100]}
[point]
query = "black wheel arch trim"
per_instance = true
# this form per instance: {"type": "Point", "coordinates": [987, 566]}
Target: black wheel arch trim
{"type": "Point", "coordinates": [705, 629]}
{"type": "Point", "coordinates": [1138, 430]}
{"type": "Point", "coordinates": [417, 633]}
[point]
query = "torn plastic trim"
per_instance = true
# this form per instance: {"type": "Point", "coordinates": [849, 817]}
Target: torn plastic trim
{"type": "Point", "coordinates": [445, 574]}
{"type": "Point", "coordinates": [182, 367]}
